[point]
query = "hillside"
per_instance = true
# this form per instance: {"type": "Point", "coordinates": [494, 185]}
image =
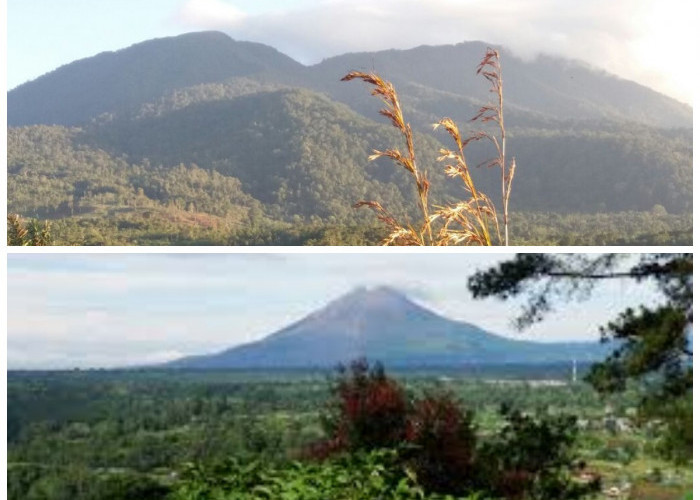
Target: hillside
{"type": "Point", "coordinates": [117, 82]}
{"type": "Point", "coordinates": [437, 80]}
{"type": "Point", "coordinates": [432, 79]}
{"type": "Point", "coordinates": [383, 324]}
{"type": "Point", "coordinates": [280, 145]}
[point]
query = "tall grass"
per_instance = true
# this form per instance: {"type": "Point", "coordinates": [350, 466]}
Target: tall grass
{"type": "Point", "coordinates": [467, 222]}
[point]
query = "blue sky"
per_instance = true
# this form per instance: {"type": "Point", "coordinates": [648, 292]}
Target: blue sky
{"type": "Point", "coordinates": [649, 41]}
{"type": "Point", "coordinates": [106, 310]}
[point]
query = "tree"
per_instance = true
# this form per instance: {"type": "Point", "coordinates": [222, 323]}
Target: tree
{"type": "Point", "coordinates": [652, 343]}
{"type": "Point", "coordinates": [31, 233]}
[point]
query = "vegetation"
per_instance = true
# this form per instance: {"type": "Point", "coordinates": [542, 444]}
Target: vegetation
{"type": "Point", "coordinates": [93, 197]}
{"type": "Point", "coordinates": [653, 344]}
{"type": "Point", "coordinates": [157, 434]}
{"type": "Point", "coordinates": [373, 475]}
{"type": "Point", "coordinates": [473, 217]}
{"type": "Point", "coordinates": [527, 458]}
{"type": "Point", "coordinates": [432, 84]}
{"type": "Point", "coordinates": [29, 233]}
{"type": "Point", "coordinates": [221, 148]}
{"type": "Point", "coordinates": [170, 226]}
{"type": "Point", "coordinates": [120, 82]}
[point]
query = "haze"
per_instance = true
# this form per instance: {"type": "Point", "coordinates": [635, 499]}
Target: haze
{"type": "Point", "coordinates": [648, 41]}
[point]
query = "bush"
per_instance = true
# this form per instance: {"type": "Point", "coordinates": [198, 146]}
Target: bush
{"type": "Point", "coordinates": [369, 410]}
{"type": "Point", "coordinates": [532, 458]}
{"type": "Point", "coordinates": [436, 440]}
{"type": "Point", "coordinates": [444, 441]}
{"type": "Point", "coordinates": [377, 475]}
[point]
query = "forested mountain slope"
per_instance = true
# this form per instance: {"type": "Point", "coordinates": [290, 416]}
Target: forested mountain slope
{"type": "Point", "coordinates": [114, 82]}
{"type": "Point", "coordinates": [233, 134]}
{"type": "Point", "coordinates": [431, 78]}
{"type": "Point", "coordinates": [440, 80]}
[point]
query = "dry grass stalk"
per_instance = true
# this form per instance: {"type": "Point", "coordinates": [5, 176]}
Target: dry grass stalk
{"type": "Point", "coordinates": [467, 222]}
{"type": "Point", "coordinates": [490, 68]}
{"type": "Point", "coordinates": [399, 235]}
{"type": "Point", "coordinates": [385, 90]}
{"type": "Point", "coordinates": [473, 216]}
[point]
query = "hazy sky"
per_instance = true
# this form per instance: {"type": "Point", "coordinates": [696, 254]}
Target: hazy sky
{"type": "Point", "coordinates": [105, 310]}
{"type": "Point", "coordinates": [649, 41]}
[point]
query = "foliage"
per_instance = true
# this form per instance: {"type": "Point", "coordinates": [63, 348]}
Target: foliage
{"type": "Point", "coordinates": [117, 82]}
{"type": "Point", "coordinates": [113, 83]}
{"type": "Point", "coordinates": [30, 233]}
{"type": "Point", "coordinates": [651, 491]}
{"type": "Point", "coordinates": [627, 228]}
{"type": "Point", "coordinates": [437, 440]}
{"type": "Point", "coordinates": [532, 459]}
{"type": "Point", "coordinates": [368, 410]}
{"type": "Point", "coordinates": [199, 139]}
{"type": "Point", "coordinates": [376, 475]}
{"type": "Point", "coordinates": [71, 482]}
{"type": "Point", "coordinates": [444, 443]}
{"type": "Point", "coordinates": [652, 342]}
{"type": "Point", "coordinates": [85, 431]}
{"type": "Point", "coordinates": [163, 178]}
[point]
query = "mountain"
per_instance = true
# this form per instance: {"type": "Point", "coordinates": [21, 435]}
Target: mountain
{"type": "Point", "coordinates": [297, 153]}
{"type": "Point", "coordinates": [117, 82]}
{"type": "Point", "coordinates": [383, 324]}
{"type": "Point", "coordinates": [176, 136]}
{"type": "Point", "coordinates": [434, 81]}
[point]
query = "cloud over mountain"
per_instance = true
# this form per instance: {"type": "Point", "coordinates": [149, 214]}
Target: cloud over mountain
{"type": "Point", "coordinates": [640, 40]}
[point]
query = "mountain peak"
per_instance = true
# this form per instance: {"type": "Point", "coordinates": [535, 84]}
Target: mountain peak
{"type": "Point", "coordinates": [124, 80]}
{"type": "Point", "coordinates": [375, 292]}
{"type": "Point", "coordinates": [364, 301]}
{"type": "Point", "coordinates": [380, 322]}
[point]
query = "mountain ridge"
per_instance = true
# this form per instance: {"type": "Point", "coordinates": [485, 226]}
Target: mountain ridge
{"type": "Point", "coordinates": [291, 143]}
{"type": "Point", "coordinates": [211, 56]}
{"type": "Point", "coordinates": [383, 324]}
{"type": "Point", "coordinates": [116, 81]}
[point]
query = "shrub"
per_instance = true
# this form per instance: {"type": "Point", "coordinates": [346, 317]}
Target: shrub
{"type": "Point", "coordinates": [650, 491]}
{"type": "Point", "coordinates": [369, 410]}
{"type": "Point", "coordinates": [436, 440]}
{"type": "Point", "coordinates": [444, 440]}
{"type": "Point", "coordinates": [376, 475]}
{"type": "Point", "coordinates": [532, 458]}
{"type": "Point", "coordinates": [27, 233]}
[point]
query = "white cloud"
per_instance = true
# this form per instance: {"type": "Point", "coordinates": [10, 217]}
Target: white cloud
{"type": "Point", "coordinates": [210, 14]}
{"type": "Point", "coordinates": [649, 41]}
{"type": "Point", "coordinates": [61, 358]}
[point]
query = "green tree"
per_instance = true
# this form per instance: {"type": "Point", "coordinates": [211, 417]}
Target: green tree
{"type": "Point", "coordinates": [652, 343]}
{"type": "Point", "coordinates": [30, 233]}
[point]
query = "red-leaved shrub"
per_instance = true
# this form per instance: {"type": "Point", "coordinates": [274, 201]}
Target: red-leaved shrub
{"type": "Point", "coordinates": [436, 439]}
{"type": "Point", "coordinates": [369, 410]}
{"type": "Point", "coordinates": [444, 442]}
